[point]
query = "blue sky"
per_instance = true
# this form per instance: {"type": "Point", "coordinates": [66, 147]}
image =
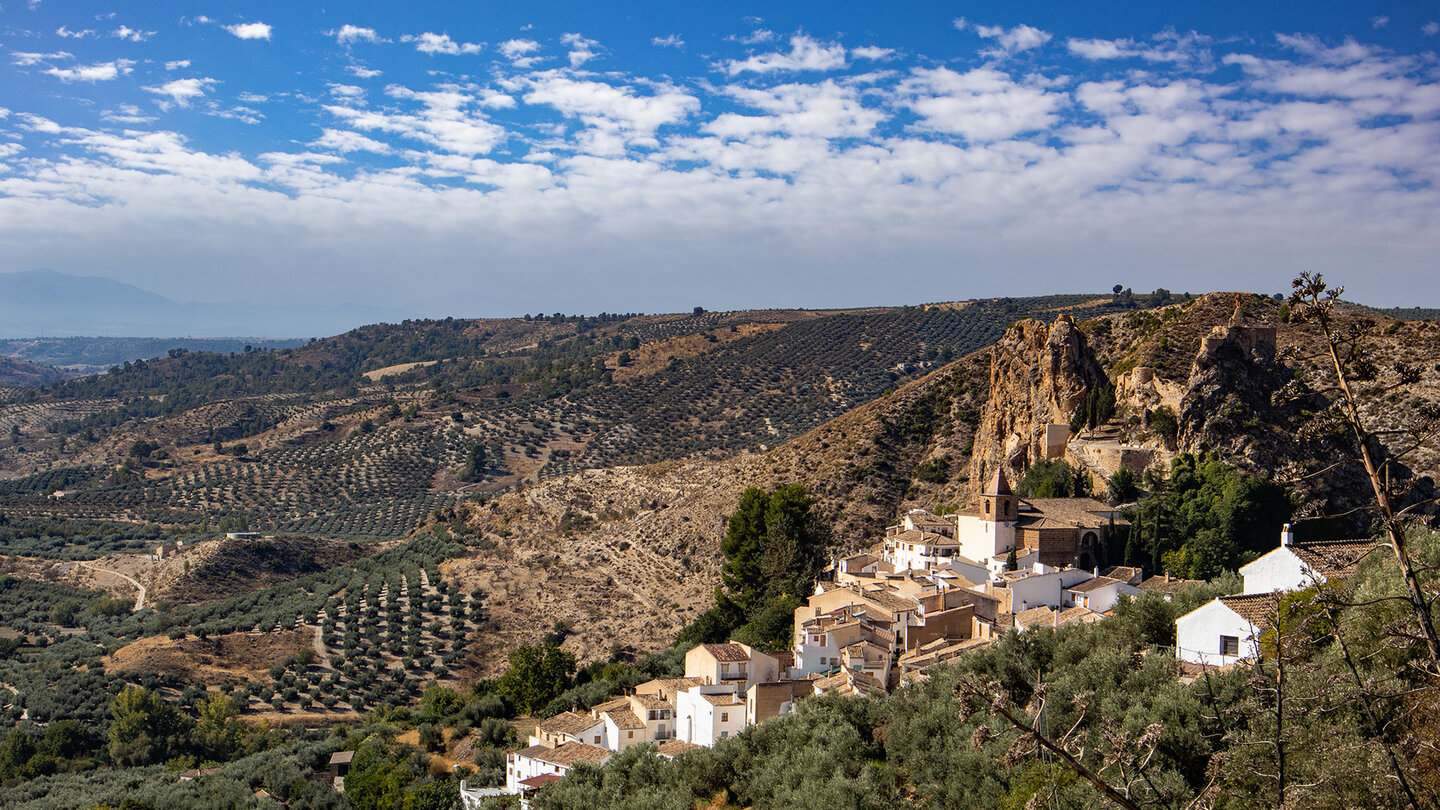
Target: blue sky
{"type": "Point", "coordinates": [495, 159]}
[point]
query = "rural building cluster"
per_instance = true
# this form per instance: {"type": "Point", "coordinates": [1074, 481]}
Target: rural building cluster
{"type": "Point", "coordinates": [932, 588]}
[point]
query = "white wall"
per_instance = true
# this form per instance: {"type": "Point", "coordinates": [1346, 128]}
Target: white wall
{"type": "Point", "coordinates": [1280, 570]}
{"type": "Point", "coordinates": [1197, 635]}
{"type": "Point", "coordinates": [519, 768]}
{"type": "Point", "coordinates": [808, 653]}
{"type": "Point", "coordinates": [1034, 591]}
{"type": "Point", "coordinates": [982, 539]}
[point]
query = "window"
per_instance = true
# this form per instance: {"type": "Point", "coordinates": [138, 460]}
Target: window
{"type": "Point", "coordinates": [652, 714]}
{"type": "Point", "coordinates": [632, 735]}
{"type": "Point", "coordinates": [597, 739]}
{"type": "Point", "coordinates": [724, 717]}
{"type": "Point", "coordinates": [1229, 645]}
{"type": "Point", "coordinates": [724, 734]}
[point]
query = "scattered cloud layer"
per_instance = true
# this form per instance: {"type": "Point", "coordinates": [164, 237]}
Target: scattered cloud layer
{"type": "Point", "coordinates": [797, 164]}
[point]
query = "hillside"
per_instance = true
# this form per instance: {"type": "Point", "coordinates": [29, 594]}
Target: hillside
{"type": "Point", "coordinates": [15, 373]}
{"type": "Point", "coordinates": [363, 434]}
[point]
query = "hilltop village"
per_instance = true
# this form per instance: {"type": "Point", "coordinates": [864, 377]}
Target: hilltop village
{"type": "Point", "coordinates": [934, 588]}
{"type": "Point", "coordinates": [931, 589]}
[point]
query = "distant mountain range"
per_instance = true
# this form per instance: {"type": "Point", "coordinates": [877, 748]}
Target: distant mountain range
{"type": "Point", "coordinates": [49, 303]}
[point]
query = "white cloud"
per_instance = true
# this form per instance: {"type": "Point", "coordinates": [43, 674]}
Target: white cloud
{"type": "Point", "coordinates": [823, 110]}
{"type": "Point", "coordinates": [614, 116]}
{"type": "Point", "coordinates": [1006, 183]}
{"type": "Point", "coordinates": [362, 72]}
{"type": "Point", "coordinates": [1167, 46]}
{"type": "Point", "coordinates": [245, 115]}
{"type": "Point", "coordinates": [1379, 22]}
{"type": "Point", "coordinates": [127, 114]}
{"type": "Point", "coordinates": [254, 98]}
{"type": "Point", "coordinates": [444, 121]}
{"type": "Point", "coordinates": [250, 30]}
{"type": "Point", "coordinates": [1094, 49]}
{"type": "Point", "coordinates": [1430, 29]}
{"type": "Point", "coordinates": [101, 72]}
{"type": "Point", "coordinates": [81, 34]}
{"type": "Point", "coordinates": [441, 43]}
{"type": "Point", "coordinates": [1008, 41]}
{"type": "Point", "coordinates": [350, 34]}
{"type": "Point", "coordinates": [346, 90]}
{"type": "Point", "coordinates": [757, 37]}
{"type": "Point", "coordinates": [582, 50]}
{"type": "Point", "coordinates": [127, 33]}
{"type": "Point", "coordinates": [671, 41]}
{"type": "Point", "coordinates": [340, 140]}
{"type": "Point", "coordinates": [805, 54]}
{"type": "Point", "coordinates": [518, 50]}
{"type": "Point", "coordinates": [181, 91]}
{"type": "Point", "coordinates": [177, 64]}
{"type": "Point", "coordinates": [980, 105]}
{"type": "Point", "coordinates": [27, 59]}
{"type": "Point", "coordinates": [873, 53]}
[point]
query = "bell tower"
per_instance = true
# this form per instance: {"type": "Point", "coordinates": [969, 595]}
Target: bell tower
{"type": "Point", "coordinates": [998, 502]}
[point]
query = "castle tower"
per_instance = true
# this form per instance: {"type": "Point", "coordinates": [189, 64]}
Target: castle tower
{"type": "Point", "coordinates": [998, 501]}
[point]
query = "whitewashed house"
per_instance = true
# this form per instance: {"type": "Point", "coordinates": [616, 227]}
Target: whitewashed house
{"type": "Point", "coordinates": [1224, 630]}
{"type": "Point", "coordinates": [710, 713]}
{"type": "Point", "coordinates": [546, 760]}
{"type": "Point", "coordinates": [1294, 566]}
{"type": "Point", "coordinates": [1099, 594]}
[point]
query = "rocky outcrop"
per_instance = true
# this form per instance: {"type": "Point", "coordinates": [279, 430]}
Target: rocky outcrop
{"type": "Point", "coordinates": [1039, 375]}
{"type": "Point", "coordinates": [1233, 402]}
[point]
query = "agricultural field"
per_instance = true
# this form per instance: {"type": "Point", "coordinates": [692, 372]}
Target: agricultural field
{"type": "Point", "coordinates": [300, 440]}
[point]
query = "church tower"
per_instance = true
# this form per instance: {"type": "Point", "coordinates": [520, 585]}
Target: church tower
{"type": "Point", "coordinates": [998, 502]}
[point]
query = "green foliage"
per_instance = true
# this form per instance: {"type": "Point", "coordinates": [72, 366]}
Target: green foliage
{"type": "Point", "coordinates": [536, 675]}
{"type": "Point", "coordinates": [440, 702]}
{"type": "Point", "coordinates": [1122, 486]}
{"type": "Point", "coordinates": [1053, 478]}
{"type": "Point", "coordinates": [144, 729]}
{"type": "Point", "coordinates": [774, 547]}
{"type": "Point", "coordinates": [934, 471]}
{"type": "Point", "coordinates": [1164, 424]}
{"type": "Point", "coordinates": [1207, 518]}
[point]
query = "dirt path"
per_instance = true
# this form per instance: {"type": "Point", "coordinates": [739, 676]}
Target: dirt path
{"type": "Point", "coordinates": [139, 600]}
{"type": "Point", "coordinates": [609, 572]}
{"type": "Point", "coordinates": [317, 644]}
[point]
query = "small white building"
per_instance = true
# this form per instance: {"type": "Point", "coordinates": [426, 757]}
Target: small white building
{"type": "Point", "coordinates": [1294, 566]}
{"type": "Point", "coordinates": [1099, 594]}
{"type": "Point", "coordinates": [709, 713]}
{"type": "Point", "coordinates": [541, 760]}
{"type": "Point", "coordinates": [1224, 630]}
{"type": "Point", "coordinates": [570, 727]}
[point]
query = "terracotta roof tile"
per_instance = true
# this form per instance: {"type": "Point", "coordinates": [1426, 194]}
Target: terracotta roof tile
{"type": "Point", "coordinates": [1254, 608]}
{"type": "Point", "coordinates": [573, 752]}
{"type": "Point", "coordinates": [728, 652]}
{"type": "Point", "coordinates": [624, 719]}
{"type": "Point", "coordinates": [1094, 584]}
{"type": "Point", "coordinates": [670, 748]}
{"type": "Point", "coordinates": [567, 723]}
{"type": "Point", "coordinates": [1334, 559]}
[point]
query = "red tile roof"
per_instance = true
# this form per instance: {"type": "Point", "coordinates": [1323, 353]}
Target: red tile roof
{"type": "Point", "coordinates": [728, 652]}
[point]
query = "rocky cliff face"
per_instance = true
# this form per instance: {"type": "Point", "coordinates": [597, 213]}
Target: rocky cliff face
{"type": "Point", "coordinates": [1038, 375]}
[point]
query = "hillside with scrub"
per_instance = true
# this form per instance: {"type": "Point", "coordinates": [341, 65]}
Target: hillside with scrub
{"type": "Point", "coordinates": [414, 541]}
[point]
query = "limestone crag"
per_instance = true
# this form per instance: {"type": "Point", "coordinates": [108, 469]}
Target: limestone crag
{"type": "Point", "coordinates": [1038, 376]}
{"type": "Point", "coordinates": [1234, 401]}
